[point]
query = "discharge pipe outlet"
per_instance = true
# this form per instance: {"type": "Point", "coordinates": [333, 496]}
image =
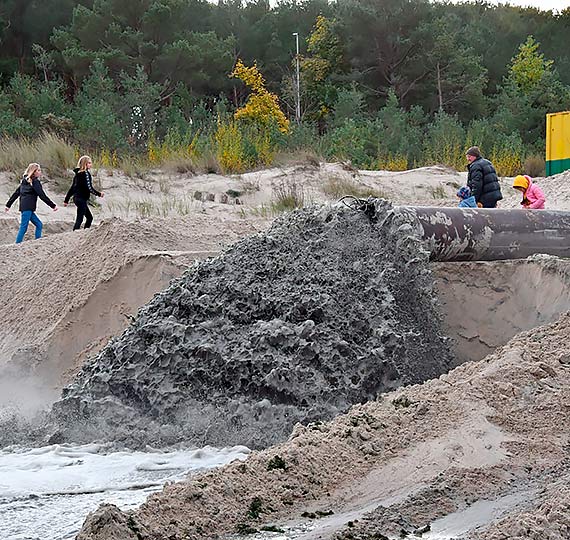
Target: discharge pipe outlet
{"type": "Point", "coordinates": [470, 234]}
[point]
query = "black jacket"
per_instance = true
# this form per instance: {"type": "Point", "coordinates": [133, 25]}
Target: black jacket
{"type": "Point", "coordinates": [483, 181]}
{"type": "Point", "coordinates": [81, 187]}
{"type": "Point", "coordinates": [29, 194]}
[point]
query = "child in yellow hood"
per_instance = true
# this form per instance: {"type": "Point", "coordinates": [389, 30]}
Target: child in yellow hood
{"type": "Point", "coordinates": [533, 196]}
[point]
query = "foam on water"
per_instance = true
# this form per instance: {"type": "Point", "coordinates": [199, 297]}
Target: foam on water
{"type": "Point", "coordinates": [46, 493]}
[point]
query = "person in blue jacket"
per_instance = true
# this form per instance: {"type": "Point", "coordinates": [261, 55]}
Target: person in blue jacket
{"type": "Point", "coordinates": [466, 199]}
{"type": "Point", "coordinates": [81, 189]}
{"type": "Point", "coordinates": [29, 190]}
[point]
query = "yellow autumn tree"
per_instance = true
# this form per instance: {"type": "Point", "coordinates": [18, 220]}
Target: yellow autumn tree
{"type": "Point", "coordinates": [262, 107]}
{"type": "Point", "coordinates": [324, 61]}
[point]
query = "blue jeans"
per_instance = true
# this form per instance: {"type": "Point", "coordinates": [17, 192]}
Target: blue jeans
{"type": "Point", "coordinates": [27, 216]}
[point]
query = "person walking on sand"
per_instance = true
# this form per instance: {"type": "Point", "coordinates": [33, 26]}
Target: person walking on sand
{"type": "Point", "coordinates": [81, 189]}
{"type": "Point", "coordinates": [482, 179]}
{"type": "Point", "coordinates": [29, 190]}
{"type": "Point", "coordinates": [466, 200]}
{"type": "Point", "coordinates": [533, 196]}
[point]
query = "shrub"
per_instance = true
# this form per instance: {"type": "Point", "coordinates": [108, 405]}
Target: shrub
{"type": "Point", "coordinates": [354, 141]}
{"type": "Point", "coordinates": [445, 142]}
{"type": "Point", "coordinates": [258, 146]}
{"type": "Point", "coordinates": [240, 147]}
{"type": "Point", "coordinates": [34, 101]}
{"type": "Point", "coordinates": [230, 151]}
{"type": "Point", "coordinates": [174, 147]}
{"type": "Point", "coordinates": [303, 137]}
{"type": "Point", "coordinates": [97, 125]}
{"type": "Point", "coordinates": [506, 162]}
{"type": "Point", "coordinates": [336, 187]}
{"type": "Point", "coordinates": [535, 166]}
{"type": "Point", "coordinates": [391, 162]}
{"type": "Point", "coordinates": [400, 133]}
{"type": "Point", "coordinates": [11, 125]}
{"type": "Point", "coordinates": [55, 155]}
{"type": "Point", "coordinates": [262, 107]}
{"type": "Point", "coordinates": [106, 159]}
{"type": "Point", "coordinates": [350, 104]}
{"type": "Point", "coordinates": [507, 155]}
{"type": "Point", "coordinates": [287, 196]}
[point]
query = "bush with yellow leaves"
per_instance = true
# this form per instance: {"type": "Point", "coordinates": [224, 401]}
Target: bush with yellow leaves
{"type": "Point", "coordinates": [507, 161]}
{"type": "Point", "coordinates": [392, 162]}
{"type": "Point", "coordinates": [262, 107]}
{"type": "Point", "coordinates": [172, 147]}
{"type": "Point", "coordinates": [230, 151]}
{"type": "Point", "coordinates": [251, 138]}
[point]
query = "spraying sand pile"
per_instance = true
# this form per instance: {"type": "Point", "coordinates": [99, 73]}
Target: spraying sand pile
{"type": "Point", "coordinates": [449, 456]}
{"type": "Point", "coordinates": [324, 310]}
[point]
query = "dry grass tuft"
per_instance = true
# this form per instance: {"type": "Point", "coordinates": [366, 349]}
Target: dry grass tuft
{"type": "Point", "coordinates": [181, 165]}
{"type": "Point", "coordinates": [337, 186]}
{"type": "Point", "coordinates": [535, 166]}
{"type": "Point", "coordinates": [56, 156]}
{"type": "Point", "coordinates": [305, 158]}
{"type": "Point", "coordinates": [287, 196]}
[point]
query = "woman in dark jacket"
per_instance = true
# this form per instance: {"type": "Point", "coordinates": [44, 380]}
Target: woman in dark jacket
{"type": "Point", "coordinates": [81, 189]}
{"type": "Point", "coordinates": [29, 190]}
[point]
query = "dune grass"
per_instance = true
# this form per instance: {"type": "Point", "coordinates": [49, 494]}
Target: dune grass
{"type": "Point", "coordinates": [55, 155]}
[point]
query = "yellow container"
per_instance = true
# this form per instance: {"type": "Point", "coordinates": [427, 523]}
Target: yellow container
{"type": "Point", "coordinates": [557, 142]}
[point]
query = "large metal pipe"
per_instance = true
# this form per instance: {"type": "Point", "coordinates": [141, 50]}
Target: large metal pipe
{"type": "Point", "coordinates": [469, 234]}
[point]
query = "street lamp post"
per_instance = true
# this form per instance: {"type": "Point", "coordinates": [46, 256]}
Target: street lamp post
{"type": "Point", "coordinates": [298, 104]}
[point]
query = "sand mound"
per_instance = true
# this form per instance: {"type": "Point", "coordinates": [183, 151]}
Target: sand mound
{"type": "Point", "coordinates": [296, 324]}
{"type": "Point", "coordinates": [9, 229]}
{"type": "Point", "coordinates": [488, 433]}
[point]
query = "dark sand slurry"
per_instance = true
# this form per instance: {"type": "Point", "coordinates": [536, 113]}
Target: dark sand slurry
{"type": "Point", "coordinates": [324, 310]}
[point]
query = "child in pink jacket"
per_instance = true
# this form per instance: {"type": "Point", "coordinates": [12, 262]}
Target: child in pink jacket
{"type": "Point", "coordinates": [533, 197]}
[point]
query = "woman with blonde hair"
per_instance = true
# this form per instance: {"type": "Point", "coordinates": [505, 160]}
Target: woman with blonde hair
{"type": "Point", "coordinates": [29, 190]}
{"type": "Point", "coordinates": [81, 189]}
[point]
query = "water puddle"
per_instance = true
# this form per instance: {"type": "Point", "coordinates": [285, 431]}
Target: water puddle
{"type": "Point", "coordinates": [46, 493]}
{"type": "Point", "coordinates": [479, 514]}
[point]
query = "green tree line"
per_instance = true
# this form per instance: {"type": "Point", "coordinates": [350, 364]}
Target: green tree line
{"type": "Point", "coordinates": [384, 83]}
